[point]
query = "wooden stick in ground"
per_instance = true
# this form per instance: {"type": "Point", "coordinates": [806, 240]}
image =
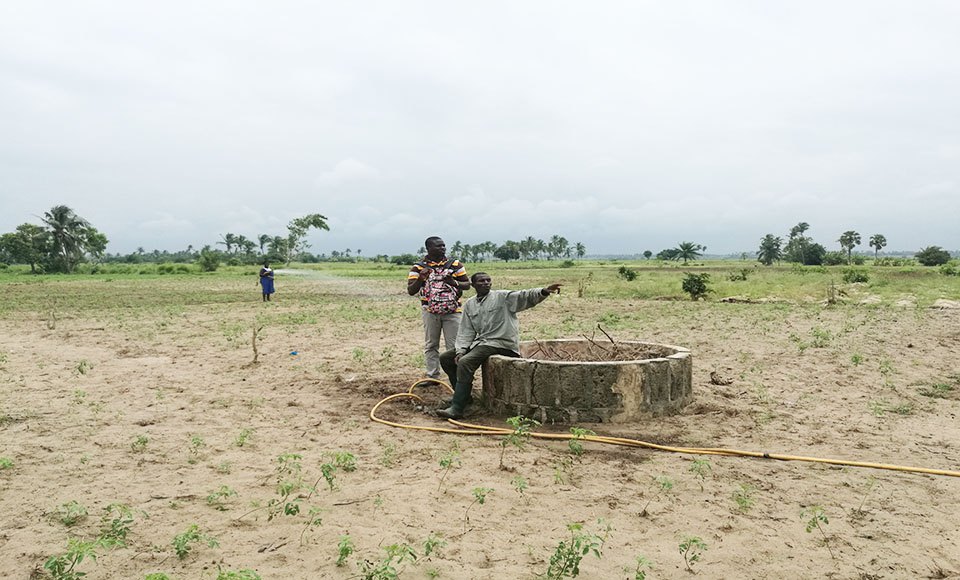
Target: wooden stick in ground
{"type": "Point", "coordinates": [256, 353]}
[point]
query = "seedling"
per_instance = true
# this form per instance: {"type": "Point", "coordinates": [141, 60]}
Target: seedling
{"type": "Point", "coordinates": [937, 391]}
{"type": "Point", "coordinates": [816, 518]}
{"type": "Point", "coordinates": [345, 461]}
{"type": "Point", "coordinates": [643, 566]}
{"type": "Point", "coordinates": [522, 427]}
{"type": "Point", "coordinates": [183, 543]}
{"type": "Point", "coordinates": [218, 499]}
{"type": "Point", "coordinates": [449, 460]}
{"type": "Point", "coordinates": [139, 444]}
{"type": "Point", "coordinates": [243, 437]}
{"type": "Point", "coordinates": [196, 444]}
{"type": "Point", "coordinates": [327, 471]}
{"type": "Point", "coordinates": [70, 513]}
{"type": "Point", "coordinates": [870, 485]}
{"type": "Point", "coordinates": [314, 520]}
{"type": "Point", "coordinates": [83, 366]}
{"type": "Point", "coordinates": [389, 456]}
{"type": "Point", "coordinates": [386, 569]}
{"type": "Point", "coordinates": [664, 485]}
{"type": "Point", "coordinates": [576, 447]}
{"type": "Point", "coordinates": [565, 562]}
{"type": "Point", "coordinates": [479, 497]}
{"type": "Point", "coordinates": [6, 463]}
{"type": "Point", "coordinates": [63, 566]}
{"type": "Point", "coordinates": [344, 550]}
{"type": "Point", "coordinates": [744, 497]}
{"type": "Point", "coordinates": [156, 576]}
{"type": "Point", "coordinates": [692, 548]}
{"type": "Point", "coordinates": [856, 359]}
{"type": "Point", "coordinates": [246, 574]}
{"type": "Point", "coordinates": [519, 484]}
{"type": "Point", "coordinates": [561, 470]}
{"type": "Point", "coordinates": [377, 503]}
{"type": "Point", "coordinates": [700, 468]}
{"type": "Point", "coordinates": [433, 544]}
{"type": "Point", "coordinates": [115, 525]}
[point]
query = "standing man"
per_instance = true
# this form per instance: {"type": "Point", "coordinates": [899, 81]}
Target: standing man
{"type": "Point", "coordinates": [266, 281]}
{"type": "Point", "coordinates": [489, 327]}
{"type": "Point", "coordinates": [440, 282]}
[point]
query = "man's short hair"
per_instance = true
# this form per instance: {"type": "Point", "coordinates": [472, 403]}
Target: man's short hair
{"type": "Point", "coordinates": [431, 240]}
{"type": "Point", "coordinates": [473, 278]}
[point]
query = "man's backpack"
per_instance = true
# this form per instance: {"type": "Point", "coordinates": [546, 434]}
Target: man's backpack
{"type": "Point", "coordinates": [442, 298]}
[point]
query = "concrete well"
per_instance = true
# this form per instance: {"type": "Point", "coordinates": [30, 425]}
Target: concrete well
{"type": "Point", "coordinates": [561, 381]}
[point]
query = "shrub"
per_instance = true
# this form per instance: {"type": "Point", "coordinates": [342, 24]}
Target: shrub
{"type": "Point", "coordinates": [852, 275]}
{"type": "Point", "coordinates": [568, 264]}
{"type": "Point", "coordinates": [697, 285]}
{"type": "Point", "coordinates": [933, 256]}
{"type": "Point", "coordinates": [740, 276]}
{"type": "Point", "coordinates": [209, 261]}
{"type": "Point", "coordinates": [834, 258]}
{"type": "Point", "coordinates": [949, 270]}
{"type": "Point", "coordinates": [627, 274]}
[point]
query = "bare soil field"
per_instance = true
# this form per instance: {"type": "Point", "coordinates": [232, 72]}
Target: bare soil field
{"type": "Point", "coordinates": [107, 397]}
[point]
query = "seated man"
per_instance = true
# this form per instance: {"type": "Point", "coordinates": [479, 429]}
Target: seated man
{"type": "Point", "coordinates": [489, 326]}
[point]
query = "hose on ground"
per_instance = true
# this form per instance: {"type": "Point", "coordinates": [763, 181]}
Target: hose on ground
{"type": "Point", "coordinates": [463, 428]}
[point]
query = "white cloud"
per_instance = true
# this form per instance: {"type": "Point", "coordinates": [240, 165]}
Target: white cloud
{"type": "Point", "coordinates": [347, 171]}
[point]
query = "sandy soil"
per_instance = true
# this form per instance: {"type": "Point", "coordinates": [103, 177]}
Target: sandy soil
{"type": "Point", "coordinates": [75, 395]}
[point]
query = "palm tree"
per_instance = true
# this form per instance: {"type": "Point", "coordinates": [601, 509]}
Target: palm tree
{"type": "Point", "coordinates": [69, 232]}
{"type": "Point", "coordinates": [264, 239]}
{"type": "Point", "coordinates": [770, 251]}
{"type": "Point", "coordinates": [228, 240]}
{"type": "Point", "coordinates": [581, 250]}
{"type": "Point", "coordinates": [849, 240]}
{"type": "Point", "coordinates": [688, 251]}
{"type": "Point", "coordinates": [877, 242]}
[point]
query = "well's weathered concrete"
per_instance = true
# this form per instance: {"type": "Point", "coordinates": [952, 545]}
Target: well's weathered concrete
{"type": "Point", "coordinates": [659, 382]}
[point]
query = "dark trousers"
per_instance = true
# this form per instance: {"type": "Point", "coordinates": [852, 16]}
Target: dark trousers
{"type": "Point", "coordinates": [461, 374]}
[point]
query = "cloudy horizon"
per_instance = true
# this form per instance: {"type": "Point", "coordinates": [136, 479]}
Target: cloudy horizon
{"type": "Point", "coordinates": [624, 126]}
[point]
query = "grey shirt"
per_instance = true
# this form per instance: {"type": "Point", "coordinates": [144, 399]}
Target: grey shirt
{"type": "Point", "coordinates": [493, 320]}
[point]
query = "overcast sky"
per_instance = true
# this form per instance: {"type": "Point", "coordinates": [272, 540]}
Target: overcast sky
{"type": "Point", "coordinates": [626, 126]}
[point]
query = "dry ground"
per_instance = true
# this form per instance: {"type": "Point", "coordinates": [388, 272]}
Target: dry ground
{"type": "Point", "coordinates": [842, 382]}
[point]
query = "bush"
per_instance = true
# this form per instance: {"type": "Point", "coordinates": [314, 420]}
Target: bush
{"type": "Point", "coordinates": [568, 264]}
{"type": "Point", "coordinates": [740, 276]}
{"type": "Point", "coordinates": [949, 269]}
{"type": "Point", "coordinates": [834, 258]}
{"type": "Point", "coordinates": [893, 262]}
{"type": "Point", "coordinates": [933, 256]}
{"type": "Point", "coordinates": [853, 275]}
{"type": "Point", "coordinates": [627, 274]}
{"type": "Point", "coordinates": [208, 261]}
{"type": "Point", "coordinates": [697, 285]}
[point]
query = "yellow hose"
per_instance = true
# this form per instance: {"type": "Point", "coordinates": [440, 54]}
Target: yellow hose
{"type": "Point", "coordinates": [472, 429]}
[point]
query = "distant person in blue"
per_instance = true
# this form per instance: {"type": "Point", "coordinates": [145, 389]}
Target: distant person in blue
{"type": "Point", "coordinates": [266, 281]}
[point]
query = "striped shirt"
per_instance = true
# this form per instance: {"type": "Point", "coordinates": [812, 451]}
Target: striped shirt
{"type": "Point", "coordinates": [459, 274]}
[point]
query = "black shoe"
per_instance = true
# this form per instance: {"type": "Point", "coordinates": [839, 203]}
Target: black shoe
{"type": "Point", "coordinates": [450, 412]}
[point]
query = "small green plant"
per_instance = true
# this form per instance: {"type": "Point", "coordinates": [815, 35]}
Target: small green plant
{"type": "Point", "coordinates": [245, 574]}
{"type": "Point", "coordinates": [565, 562]}
{"type": "Point", "coordinates": [218, 499]}
{"type": "Point", "coordinates": [6, 463]}
{"type": "Point", "coordinates": [183, 543]}
{"type": "Point", "coordinates": [743, 497]}
{"type": "Point", "coordinates": [627, 274]}
{"type": "Point", "coordinates": [327, 471]}
{"type": "Point", "coordinates": [156, 576]}
{"type": "Point", "coordinates": [934, 391]}
{"type": "Point", "coordinates": [643, 566]}
{"type": "Point", "coordinates": [224, 467]}
{"type": "Point", "coordinates": [448, 461]}
{"type": "Point", "coordinates": [386, 568]}
{"type": "Point", "coordinates": [139, 444]}
{"type": "Point", "coordinates": [70, 513]}
{"type": "Point", "coordinates": [115, 524]}
{"type": "Point", "coordinates": [79, 395]}
{"type": "Point", "coordinates": [740, 276]}
{"type": "Point", "coordinates": [692, 548]}
{"type": "Point", "coordinates": [244, 437]}
{"type": "Point", "coordinates": [360, 354]}
{"type": "Point", "coordinates": [83, 367]}
{"type": "Point", "coordinates": [664, 485]}
{"type": "Point", "coordinates": [345, 461]}
{"type": "Point", "coordinates": [700, 468]}
{"type": "Point", "coordinates": [868, 488]}
{"type": "Point", "coordinates": [63, 566]}
{"type": "Point", "coordinates": [314, 520]}
{"type": "Point", "coordinates": [856, 359]}
{"type": "Point", "coordinates": [561, 470]}
{"type": "Point", "coordinates": [816, 518]}
{"type": "Point", "coordinates": [854, 276]}
{"type": "Point", "coordinates": [519, 484]}
{"type": "Point", "coordinates": [193, 449]}
{"type": "Point", "coordinates": [575, 445]}
{"type": "Point", "coordinates": [878, 407]}
{"type": "Point", "coordinates": [821, 337]}
{"type": "Point", "coordinates": [479, 497]}
{"type": "Point", "coordinates": [696, 285]}
{"type": "Point", "coordinates": [433, 544]}
{"type": "Point", "coordinates": [522, 427]}
{"type": "Point", "coordinates": [388, 457]}
{"type": "Point", "coordinates": [345, 549]}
